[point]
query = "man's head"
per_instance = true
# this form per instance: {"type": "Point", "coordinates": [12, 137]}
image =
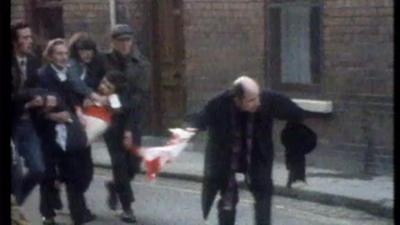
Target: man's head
{"type": "Point", "coordinates": [22, 39]}
{"type": "Point", "coordinates": [122, 39]}
{"type": "Point", "coordinates": [112, 82]}
{"type": "Point", "coordinates": [246, 94]}
{"type": "Point", "coordinates": [56, 52]}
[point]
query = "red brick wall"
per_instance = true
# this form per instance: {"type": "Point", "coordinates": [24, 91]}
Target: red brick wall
{"type": "Point", "coordinates": [92, 16]}
{"type": "Point", "coordinates": [226, 37]}
{"type": "Point", "coordinates": [358, 77]}
{"type": "Point", "coordinates": [222, 39]}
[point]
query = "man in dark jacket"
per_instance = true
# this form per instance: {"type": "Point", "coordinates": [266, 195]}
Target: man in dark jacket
{"type": "Point", "coordinates": [125, 130]}
{"type": "Point", "coordinates": [239, 123]}
{"type": "Point", "coordinates": [25, 97]}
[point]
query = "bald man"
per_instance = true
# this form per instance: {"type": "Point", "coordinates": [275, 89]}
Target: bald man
{"type": "Point", "coordinates": [239, 123]}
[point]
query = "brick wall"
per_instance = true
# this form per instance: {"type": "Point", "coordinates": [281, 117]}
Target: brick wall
{"type": "Point", "coordinates": [17, 10]}
{"type": "Point", "coordinates": [137, 14]}
{"type": "Point", "coordinates": [226, 37]}
{"type": "Point", "coordinates": [92, 16]}
{"type": "Point", "coordinates": [358, 49]}
{"type": "Point", "coordinates": [222, 39]}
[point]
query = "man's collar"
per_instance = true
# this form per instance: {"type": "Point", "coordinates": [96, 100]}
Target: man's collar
{"type": "Point", "coordinates": [20, 58]}
{"type": "Point", "coordinates": [119, 56]}
{"type": "Point", "coordinates": [58, 69]}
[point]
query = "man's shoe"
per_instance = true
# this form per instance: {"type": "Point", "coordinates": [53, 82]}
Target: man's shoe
{"type": "Point", "coordinates": [128, 217]}
{"type": "Point", "coordinates": [112, 199]}
{"type": "Point", "coordinates": [87, 217]}
{"type": "Point", "coordinates": [299, 184]}
{"type": "Point", "coordinates": [49, 221]}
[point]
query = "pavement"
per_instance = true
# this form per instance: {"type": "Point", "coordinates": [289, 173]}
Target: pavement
{"type": "Point", "coordinates": [374, 195]}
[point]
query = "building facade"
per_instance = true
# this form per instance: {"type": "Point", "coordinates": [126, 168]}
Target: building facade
{"type": "Point", "coordinates": [337, 51]}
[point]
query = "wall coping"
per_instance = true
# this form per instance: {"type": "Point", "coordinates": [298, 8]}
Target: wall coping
{"type": "Point", "coordinates": [318, 106]}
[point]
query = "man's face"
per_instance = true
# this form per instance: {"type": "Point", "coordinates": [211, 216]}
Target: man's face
{"type": "Point", "coordinates": [24, 42]}
{"type": "Point", "coordinates": [105, 87]}
{"type": "Point", "coordinates": [86, 55]}
{"type": "Point", "coordinates": [250, 102]}
{"type": "Point", "coordinates": [60, 55]}
{"type": "Point", "coordinates": [123, 46]}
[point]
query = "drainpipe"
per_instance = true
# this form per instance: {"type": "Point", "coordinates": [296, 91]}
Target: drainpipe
{"type": "Point", "coordinates": [369, 154]}
{"type": "Point", "coordinates": [112, 12]}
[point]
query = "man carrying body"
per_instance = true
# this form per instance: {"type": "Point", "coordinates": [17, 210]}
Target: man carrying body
{"type": "Point", "coordinates": [125, 130]}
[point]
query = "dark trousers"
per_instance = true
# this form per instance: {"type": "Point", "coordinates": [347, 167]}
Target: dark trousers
{"type": "Point", "coordinates": [124, 167]}
{"type": "Point", "coordinates": [27, 144]}
{"type": "Point", "coordinates": [261, 187]}
{"type": "Point", "coordinates": [296, 165]}
{"type": "Point", "coordinates": [75, 168]}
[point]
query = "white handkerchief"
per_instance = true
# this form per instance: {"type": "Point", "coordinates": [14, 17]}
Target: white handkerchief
{"type": "Point", "coordinates": [115, 103]}
{"type": "Point", "coordinates": [61, 136]}
{"type": "Point", "coordinates": [181, 133]}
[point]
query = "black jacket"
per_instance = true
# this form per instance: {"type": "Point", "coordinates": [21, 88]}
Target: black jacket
{"type": "Point", "coordinates": [67, 100]}
{"type": "Point", "coordinates": [23, 91]}
{"type": "Point", "coordinates": [135, 97]}
{"type": "Point", "coordinates": [94, 74]}
{"type": "Point", "coordinates": [215, 117]}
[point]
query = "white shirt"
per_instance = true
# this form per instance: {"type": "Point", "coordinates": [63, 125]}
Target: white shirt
{"type": "Point", "coordinates": [22, 61]}
{"type": "Point", "coordinates": [61, 74]}
{"type": "Point", "coordinates": [84, 71]}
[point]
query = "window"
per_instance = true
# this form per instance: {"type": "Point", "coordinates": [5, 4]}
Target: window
{"type": "Point", "coordinates": [294, 31]}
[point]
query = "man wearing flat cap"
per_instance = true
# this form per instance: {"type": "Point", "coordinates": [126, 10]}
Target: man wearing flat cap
{"type": "Point", "coordinates": [125, 130]}
{"type": "Point", "coordinates": [239, 123]}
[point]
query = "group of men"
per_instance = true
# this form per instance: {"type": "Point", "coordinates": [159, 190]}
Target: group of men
{"type": "Point", "coordinates": [49, 135]}
{"type": "Point", "coordinates": [239, 123]}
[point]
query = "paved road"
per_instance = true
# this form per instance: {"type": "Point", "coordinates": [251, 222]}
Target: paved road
{"type": "Point", "coordinates": [175, 202]}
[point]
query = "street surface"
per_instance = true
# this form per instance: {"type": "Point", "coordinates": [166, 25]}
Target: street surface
{"type": "Point", "coordinates": [177, 202]}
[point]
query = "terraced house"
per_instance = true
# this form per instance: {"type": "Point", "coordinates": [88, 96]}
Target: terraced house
{"type": "Point", "coordinates": [334, 57]}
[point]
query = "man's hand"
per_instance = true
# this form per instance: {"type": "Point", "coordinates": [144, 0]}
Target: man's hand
{"type": "Point", "coordinates": [35, 102]}
{"type": "Point", "coordinates": [127, 141]}
{"type": "Point", "coordinates": [87, 102]}
{"type": "Point", "coordinates": [51, 101]}
{"type": "Point", "coordinates": [103, 100]}
{"type": "Point", "coordinates": [191, 129]}
{"type": "Point", "coordinates": [60, 117]}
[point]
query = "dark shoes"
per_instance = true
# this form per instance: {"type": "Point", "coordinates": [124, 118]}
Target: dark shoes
{"type": "Point", "coordinates": [128, 217]}
{"type": "Point", "coordinates": [57, 202]}
{"type": "Point", "coordinates": [87, 217]}
{"type": "Point", "coordinates": [49, 221]}
{"type": "Point", "coordinates": [112, 199]}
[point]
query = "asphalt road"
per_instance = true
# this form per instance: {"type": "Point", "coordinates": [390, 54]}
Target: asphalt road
{"type": "Point", "coordinates": [177, 202]}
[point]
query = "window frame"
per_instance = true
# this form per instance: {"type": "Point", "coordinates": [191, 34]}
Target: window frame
{"type": "Point", "coordinates": [273, 47]}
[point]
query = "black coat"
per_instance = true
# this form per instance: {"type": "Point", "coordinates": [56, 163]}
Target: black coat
{"type": "Point", "coordinates": [22, 92]}
{"type": "Point", "coordinates": [134, 98]}
{"type": "Point", "coordinates": [215, 117]}
{"type": "Point", "coordinates": [94, 74]}
{"type": "Point", "coordinates": [67, 100]}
